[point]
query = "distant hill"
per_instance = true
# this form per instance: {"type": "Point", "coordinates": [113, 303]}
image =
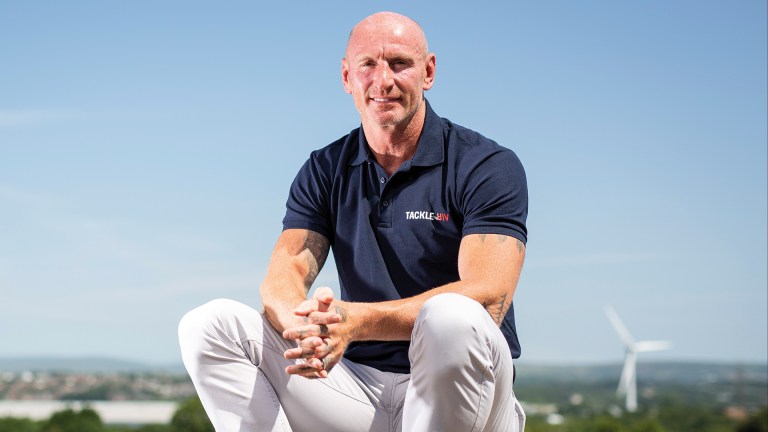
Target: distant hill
{"type": "Point", "coordinates": [528, 373]}
{"type": "Point", "coordinates": [648, 372]}
{"type": "Point", "coordinates": [711, 385]}
{"type": "Point", "coordinates": [82, 364]}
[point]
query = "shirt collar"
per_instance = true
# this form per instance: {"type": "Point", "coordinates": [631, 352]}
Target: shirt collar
{"type": "Point", "coordinates": [430, 147]}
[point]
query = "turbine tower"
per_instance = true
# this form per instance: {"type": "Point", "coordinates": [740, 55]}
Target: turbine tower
{"type": "Point", "coordinates": [628, 382]}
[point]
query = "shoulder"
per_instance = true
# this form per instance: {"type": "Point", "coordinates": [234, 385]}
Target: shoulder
{"type": "Point", "coordinates": [467, 150]}
{"type": "Point", "coordinates": [338, 153]}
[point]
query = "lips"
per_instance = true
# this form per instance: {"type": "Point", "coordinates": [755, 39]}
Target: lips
{"type": "Point", "coordinates": [384, 100]}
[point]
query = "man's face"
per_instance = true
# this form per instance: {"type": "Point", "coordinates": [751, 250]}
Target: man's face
{"type": "Point", "coordinates": [386, 71]}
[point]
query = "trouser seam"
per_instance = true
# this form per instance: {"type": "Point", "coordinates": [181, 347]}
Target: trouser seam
{"type": "Point", "coordinates": [288, 362]}
{"type": "Point", "coordinates": [263, 344]}
{"type": "Point", "coordinates": [480, 400]}
{"type": "Point", "coordinates": [273, 396]}
{"type": "Point", "coordinates": [391, 410]}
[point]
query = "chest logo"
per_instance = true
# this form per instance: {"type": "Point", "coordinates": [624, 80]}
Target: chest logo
{"type": "Point", "coordinates": [425, 215]}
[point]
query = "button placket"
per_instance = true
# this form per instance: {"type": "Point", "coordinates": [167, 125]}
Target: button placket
{"type": "Point", "coordinates": [385, 206]}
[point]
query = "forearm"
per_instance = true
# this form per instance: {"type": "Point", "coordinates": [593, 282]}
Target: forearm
{"type": "Point", "coordinates": [489, 268]}
{"type": "Point", "coordinates": [394, 320]}
{"type": "Point", "coordinates": [296, 260]}
{"type": "Point", "coordinates": [279, 297]}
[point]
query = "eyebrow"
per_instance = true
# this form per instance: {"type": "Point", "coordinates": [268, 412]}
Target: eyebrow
{"type": "Point", "coordinates": [399, 55]}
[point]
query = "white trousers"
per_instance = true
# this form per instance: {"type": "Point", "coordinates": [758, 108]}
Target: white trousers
{"type": "Point", "coordinates": [460, 380]}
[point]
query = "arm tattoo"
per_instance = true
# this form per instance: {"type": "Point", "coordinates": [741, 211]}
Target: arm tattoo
{"type": "Point", "coordinates": [327, 361]}
{"type": "Point", "coordinates": [500, 237]}
{"type": "Point", "coordinates": [317, 245]}
{"type": "Point", "coordinates": [520, 245]}
{"type": "Point", "coordinates": [499, 309]}
{"type": "Point", "coordinates": [342, 313]}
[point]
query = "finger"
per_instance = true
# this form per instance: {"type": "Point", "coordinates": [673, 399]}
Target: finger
{"type": "Point", "coordinates": [316, 363]}
{"type": "Point", "coordinates": [325, 350]}
{"type": "Point", "coordinates": [306, 307]}
{"type": "Point", "coordinates": [323, 318]}
{"type": "Point", "coordinates": [303, 369]}
{"type": "Point", "coordinates": [306, 370]}
{"type": "Point", "coordinates": [305, 349]}
{"type": "Point", "coordinates": [306, 332]}
{"type": "Point", "coordinates": [324, 296]}
{"type": "Point", "coordinates": [328, 363]}
{"type": "Point", "coordinates": [299, 353]}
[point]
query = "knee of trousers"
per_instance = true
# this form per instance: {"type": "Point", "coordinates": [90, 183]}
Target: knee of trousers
{"type": "Point", "coordinates": [448, 326]}
{"type": "Point", "coordinates": [200, 325]}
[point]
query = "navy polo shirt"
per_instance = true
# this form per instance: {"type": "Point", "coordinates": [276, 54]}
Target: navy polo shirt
{"type": "Point", "coordinates": [396, 237]}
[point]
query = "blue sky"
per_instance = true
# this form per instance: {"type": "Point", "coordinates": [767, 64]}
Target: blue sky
{"type": "Point", "coordinates": [146, 149]}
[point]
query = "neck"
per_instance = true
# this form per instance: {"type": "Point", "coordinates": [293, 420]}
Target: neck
{"type": "Point", "coordinates": [393, 145]}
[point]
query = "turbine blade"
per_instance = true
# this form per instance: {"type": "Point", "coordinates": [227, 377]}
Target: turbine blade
{"type": "Point", "coordinates": [621, 330]}
{"type": "Point", "coordinates": [631, 402]}
{"type": "Point", "coordinates": [628, 373]}
{"type": "Point", "coordinates": [621, 390]}
{"type": "Point", "coordinates": [646, 346]}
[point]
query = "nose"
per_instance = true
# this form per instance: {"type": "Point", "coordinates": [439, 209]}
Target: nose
{"type": "Point", "coordinates": [384, 78]}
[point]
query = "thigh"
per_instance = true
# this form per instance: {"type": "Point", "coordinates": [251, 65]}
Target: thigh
{"type": "Point", "coordinates": [235, 359]}
{"type": "Point", "coordinates": [461, 370]}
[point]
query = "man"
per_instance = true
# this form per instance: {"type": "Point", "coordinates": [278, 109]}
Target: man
{"type": "Point", "coordinates": [427, 224]}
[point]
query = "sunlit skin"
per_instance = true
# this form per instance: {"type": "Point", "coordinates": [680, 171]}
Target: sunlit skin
{"type": "Point", "coordinates": [387, 68]}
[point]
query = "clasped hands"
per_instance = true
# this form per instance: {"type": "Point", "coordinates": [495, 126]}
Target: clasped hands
{"type": "Point", "coordinates": [320, 340]}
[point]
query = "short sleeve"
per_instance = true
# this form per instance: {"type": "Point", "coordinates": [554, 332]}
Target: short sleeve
{"type": "Point", "coordinates": [307, 206]}
{"type": "Point", "coordinates": [495, 195]}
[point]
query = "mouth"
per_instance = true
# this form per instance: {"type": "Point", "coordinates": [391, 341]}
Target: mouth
{"type": "Point", "coordinates": [385, 100]}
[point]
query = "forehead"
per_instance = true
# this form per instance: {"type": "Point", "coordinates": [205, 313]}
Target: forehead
{"type": "Point", "coordinates": [387, 39]}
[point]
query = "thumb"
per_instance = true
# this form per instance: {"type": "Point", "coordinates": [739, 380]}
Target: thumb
{"type": "Point", "coordinates": [324, 297]}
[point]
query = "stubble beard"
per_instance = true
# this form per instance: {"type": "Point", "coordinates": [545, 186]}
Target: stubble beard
{"type": "Point", "coordinates": [396, 117]}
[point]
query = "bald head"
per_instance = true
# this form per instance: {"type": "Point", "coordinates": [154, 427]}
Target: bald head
{"type": "Point", "coordinates": [389, 23]}
{"type": "Point", "coordinates": [386, 69]}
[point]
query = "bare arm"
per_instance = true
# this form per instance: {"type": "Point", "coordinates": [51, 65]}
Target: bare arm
{"type": "Point", "coordinates": [489, 268]}
{"type": "Point", "coordinates": [296, 260]}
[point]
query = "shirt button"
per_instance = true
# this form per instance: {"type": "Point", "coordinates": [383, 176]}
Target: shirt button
{"type": "Point", "coordinates": [382, 180]}
{"type": "Point", "coordinates": [385, 203]}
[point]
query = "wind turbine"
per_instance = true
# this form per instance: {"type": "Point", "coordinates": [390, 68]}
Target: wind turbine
{"type": "Point", "coordinates": [628, 381]}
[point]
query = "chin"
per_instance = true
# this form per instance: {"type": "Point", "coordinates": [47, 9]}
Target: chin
{"type": "Point", "coordinates": [387, 119]}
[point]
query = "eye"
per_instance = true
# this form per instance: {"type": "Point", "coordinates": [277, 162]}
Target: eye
{"type": "Point", "coordinates": [399, 64]}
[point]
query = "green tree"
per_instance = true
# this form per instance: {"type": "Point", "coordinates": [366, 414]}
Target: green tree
{"type": "Point", "coordinates": [142, 428]}
{"type": "Point", "coordinates": [69, 420]}
{"type": "Point", "coordinates": [191, 417]}
{"type": "Point", "coordinates": [538, 423]}
{"type": "Point", "coordinates": [155, 428]}
{"type": "Point", "coordinates": [756, 423]}
{"type": "Point", "coordinates": [13, 424]}
{"type": "Point", "coordinates": [683, 417]}
{"type": "Point", "coordinates": [647, 425]}
{"type": "Point", "coordinates": [603, 423]}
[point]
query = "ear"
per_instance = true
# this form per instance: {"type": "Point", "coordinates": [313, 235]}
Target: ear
{"type": "Point", "coordinates": [345, 76]}
{"type": "Point", "coordinates": [429, 77]}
